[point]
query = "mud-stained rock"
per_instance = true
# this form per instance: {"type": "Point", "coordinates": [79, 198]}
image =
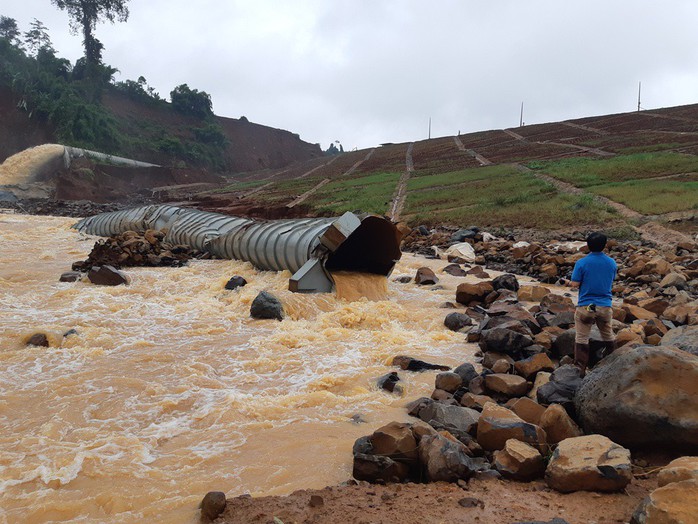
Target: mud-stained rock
{"type": "Point", "coordinates": [454, 270]}
{"type": "Point", "coordinates": [395, 440]}
{"type": "Point", "coordinates": [213, 505]}
{"type": "Point", "coordinates": [425, 277]}
{"type": "Point", "coordinates": [476, 402]}
{"type": "Point", "coordinates": [519, 461]}
{"type": "Point", "coordinates": [680, 313]}
{"type": "Point", "coordinates": [528, 409]}
{"type": "Point", "coordinates": [107, 276]}
{"type": "Point", "coordinates": [498, 424]}
{"type": "Point", "coordinates": [528, 367]}
{"type": "Point", "coordinates": [675, 503]}
{"type": "Point", "coordinates": [503, 340]}
{"type": "Point", "coordinates": [376, 468]}
{"type": "Point", "coordinates": [413, 364]}
{"type": "Point", "coordinates": [448, 381]}
{"type": "Point", "coordinates": [641, 397]}
{"type": "Point", "coordinates": [266, 306]}
{"type": "Point", "coordinates": [589, 463]}
{"type": "Point", "coordinates": [445, 460]}
{"type": "Point", "coordinates": [468, 293]}
{"type": "Point", "coordinates": [466, 371]}
{"type": "Point", "coordinates": [542, 378]}
{"type": "Point", "coordinates": [558, 425]}
{"type": "Point", "coordinates": [456, 417]}
{"type": "Point", "coordinates": [457, 321]}
{"type": "Point", "coordinates": [555, 304]}
{"type": "Point", "coordinates": [562, 386]}
{"type": "Point", "coordinates": [506, 281]}
{"type": "Point", "coordinates": [70, 276]}
{"type": "Point", "coordinates": [684, 338]}
{"type": "Point", "coordinates": [507, 385]}
{"type": "Point", "coordinates": [636, 313]}
{"type": "Point", "coordinates": [678, 470]}
{"type": "Point", "coordinates": [533, 293]}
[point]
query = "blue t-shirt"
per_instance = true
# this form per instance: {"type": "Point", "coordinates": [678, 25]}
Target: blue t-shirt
{"type": "Point", "coordinates": [595, 274]}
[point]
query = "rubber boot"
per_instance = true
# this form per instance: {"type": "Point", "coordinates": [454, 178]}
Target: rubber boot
{"type": "Point", "coordinates": [609, 346]}
{"type": "Point", "coordinates": [581, 356]}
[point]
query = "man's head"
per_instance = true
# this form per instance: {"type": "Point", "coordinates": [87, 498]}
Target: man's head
{"type": "Point", "coordinates": [596, 242]}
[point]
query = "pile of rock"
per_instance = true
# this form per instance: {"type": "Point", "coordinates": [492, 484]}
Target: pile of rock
{"type": "Point", "coordinates": [131, 249]}
{"type": "Point", "coordinates": [528, 413]}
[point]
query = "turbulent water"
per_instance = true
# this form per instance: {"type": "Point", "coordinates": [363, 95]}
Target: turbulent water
{"type": "Point", "coordinates": [25, 165]}
{"type": "Point", "coordinates": [169, 390]}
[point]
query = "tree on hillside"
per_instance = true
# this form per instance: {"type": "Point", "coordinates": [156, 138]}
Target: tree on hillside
{"type": "Point", "coordinates": [9, 30]}
{"type": "Point", "coordinates": [37, 39]}
{"type": "Point", "coordinates": [84, 15]}
{"type": "Point", "coordinates": [191, 101]}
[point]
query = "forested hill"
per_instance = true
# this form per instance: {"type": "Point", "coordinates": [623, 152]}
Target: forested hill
{"type": "Point", "coordinates": [44, 98]}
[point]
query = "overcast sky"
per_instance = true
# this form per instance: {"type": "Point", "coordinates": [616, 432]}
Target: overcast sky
{"type": "Point", "coordinates": [370, 71]}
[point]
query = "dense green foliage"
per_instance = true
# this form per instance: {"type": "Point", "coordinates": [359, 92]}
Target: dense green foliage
{"type": "Point", "coordinates": [68, 98]}
{"type": "Point", "coordinates": [191, 101]}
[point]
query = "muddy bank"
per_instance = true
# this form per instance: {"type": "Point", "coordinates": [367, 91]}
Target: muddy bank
{"type": "Point", "coordinates": [493, 501]}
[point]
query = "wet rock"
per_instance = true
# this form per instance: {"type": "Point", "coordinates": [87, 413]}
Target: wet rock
{"type": "Point", "coordinates": [542, 378]}
{"type": "Point", "coordinates": [457, 321]}
{"type": "Point", "coordinates": [477, 385]}
{"type": "Point", "coordinates": [504, 340]}
{"type": "Point", "coordinates": [413, 364]}
{"type": "Point", "coordinates": [235, 282]}
{"type": "Point", "coordinates": [528, 367]}
{"type": "Point", "coordinates": [589, 463]}
{"type": "Point", "coordinates": [414, 407]}
{"type": "Point", "coordinates": [471, 502]}
{"type": "Point", "coordinates": [466, 371]}
{"type": "Point", "coordinates": [266, 306]}
{"type": "Point", "coordinates": [533, 293]}
{"type": "Point", "coordinates": [506, 281]}
{"type": "Point", "coordinates": [376, 468]}
{"type": "Point", "coordinates": [519, 461]}
{"type": "Point", "coordinates": [213, 505]}
{"type": "Point", "coordinates": [70, 276]}
{"type": "Point", "coordinates": [358, 418]}
{"type": "Point", "coordinates": [39, 340]}
{"type": "Point", "coordinates": [636, 313]}
{"type": "Point", "coordinates": [674, 503]}
{"type": "Point", "coordinates": [395, 440]}
{"type": "Point", "coordinates": [641, 397]}
{"type": "Point", "coordinates": [678, 470]}
{"type": "Point", "coordinates": [454, 270]}
{"type": "Point", "coordinates": [425, 277]}
{"type": "Point", "coordinates": [441, 395]}
{"type": "Point", "coordinates": [389, 382]}
{"type": "Point", "coordinates": [476, 402]}
{"type": "Point", "coordinates": [498, 424]}
{"type": "Point", "coordinates": [70, 332]}
{"type": "Point", "coordinates": [468, 294]}
{"type": "Point", "coordinates": [507, 385]}
{"type": "Point", "coordinates": [562, 387]}
{"type": "Point", "coordinates": [448, 381]}
{"type": "Point", "coordinates": [684, 338]}
{"type": "Point", "coordinates": [527, 409]}
{"type": "Point", "coordinates": [445, 460]}
{"type": "Point", "coordinates": [107, 276]}
{"type": "Point", "coordinates": [501, 366]}
{"type": "Point", "coordinates": [558, 425]}
{"type": "Point", "coordinates": [456, 417]}
{"type": "Point", "coordinates": [403, 279]}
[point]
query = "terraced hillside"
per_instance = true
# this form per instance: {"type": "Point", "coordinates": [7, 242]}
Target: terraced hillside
{"type": "Point", "coordinates": [613, 171]}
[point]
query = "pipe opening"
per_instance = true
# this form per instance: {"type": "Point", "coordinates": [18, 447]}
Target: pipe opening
{"type": "Point", "coordinates": [373, 247]}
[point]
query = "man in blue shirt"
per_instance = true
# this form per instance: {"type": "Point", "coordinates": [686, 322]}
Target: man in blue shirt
{"type": "Point", "coordinates": [593, 275]}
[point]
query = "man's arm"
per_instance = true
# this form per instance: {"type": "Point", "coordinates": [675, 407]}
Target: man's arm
{"type": "Point", "coordinates": [573, 284]}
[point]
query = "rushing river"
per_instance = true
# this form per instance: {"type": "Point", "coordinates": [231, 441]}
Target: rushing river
{"type": "Point", "coordinates": [169, 389]}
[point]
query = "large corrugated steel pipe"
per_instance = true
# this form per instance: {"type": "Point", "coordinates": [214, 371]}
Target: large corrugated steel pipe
{"type": "Point", "coordinates": [310, 248]}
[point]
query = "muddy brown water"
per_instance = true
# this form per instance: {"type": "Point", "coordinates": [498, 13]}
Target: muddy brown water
{"type": "Point", "coordinates": [169, 389]}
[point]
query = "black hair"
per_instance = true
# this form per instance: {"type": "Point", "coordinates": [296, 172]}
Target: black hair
{"type": "Point", "coordinates": [596, 242]}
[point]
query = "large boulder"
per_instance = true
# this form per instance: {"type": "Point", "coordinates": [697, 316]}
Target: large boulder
{"type": "Point", "coordinates": [414, 364]}
{"type": "Point", "coordinates": [589, 463]}
{"type": "Point", "coordinates": [445, 460]}
{"type": "Point", "coordinates": [395, 440]}
{"type": "Point", "coordinates": [467, 293]}
{"type": "Point", "coordinates": [506, 281]}
{"type": "Point", "coordinates": [107, 276]}
{"type": "Point", "coordinates": [425, 277]}
{"type": "Point", "coordinates": [684, 337]}
{"type": "Point", "coordinates": [675, 503]}
{"type": "Point", "coordinates": [643, 396]}
{"type": "Point", "coordinates": [498, 424]}
{"type": "Point", "coordinates": [507, 385]}
{"type": "Point", "coordinates": [558, 425]}
{"type": "Point", "coordinates": [457, 321]}
{"type": "Point", "coordinates": [447, 416]}
{"type": "Point", "coordinates": [678, 470]}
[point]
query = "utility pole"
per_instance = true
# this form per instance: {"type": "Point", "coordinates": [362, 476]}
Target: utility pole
{"type": "Point", "coordinates": [521, 117]}
{"type": "Point", "coordinates": [430, 128]}
{"type": "Point", "coordinates": [639, 90]}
